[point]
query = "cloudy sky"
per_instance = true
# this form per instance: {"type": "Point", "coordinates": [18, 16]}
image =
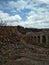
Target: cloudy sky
{"type": "Point", "coordinates": [27, 13]}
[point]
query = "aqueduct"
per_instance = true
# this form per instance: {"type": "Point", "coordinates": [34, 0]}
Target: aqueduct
{"type": "Point", "coordinates": [40, 37]}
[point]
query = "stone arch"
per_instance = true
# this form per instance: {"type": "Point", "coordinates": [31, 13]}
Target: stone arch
{"type": "Point", "coordinates": [39, 39]}
{"type": "Point", "coordinates": [43, 39]}
{"type": "Point", "coordinates": [32, 38]}
{"type": "Point", "coordinates": [35, 38]}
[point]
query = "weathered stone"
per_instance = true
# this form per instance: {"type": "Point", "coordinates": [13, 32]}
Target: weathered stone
{"type": "Point", "coordinates": [14, 49]}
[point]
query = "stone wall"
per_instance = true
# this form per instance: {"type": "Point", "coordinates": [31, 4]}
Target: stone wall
{"type": "Point", "coordinates": [39, 37]}
{"type": "Point", "coordinates": [14, 50]}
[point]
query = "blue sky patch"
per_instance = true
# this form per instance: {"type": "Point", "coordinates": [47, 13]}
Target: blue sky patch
{"type": "Point", "coordinates": [28, 13]}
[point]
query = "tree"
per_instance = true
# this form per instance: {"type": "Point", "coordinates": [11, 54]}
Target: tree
{"type": "Point", "coordinates": [2, 23]}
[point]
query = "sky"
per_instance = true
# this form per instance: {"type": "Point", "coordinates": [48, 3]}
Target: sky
{"type": "Point", "coordinates": [27, 13]}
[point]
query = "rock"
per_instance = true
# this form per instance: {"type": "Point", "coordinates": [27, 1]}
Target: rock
{"type": "Point", "coordinates": [17, 48]}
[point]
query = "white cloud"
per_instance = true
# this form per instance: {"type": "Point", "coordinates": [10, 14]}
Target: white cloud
{"type": "Point", "coordinates": [45, 1]}
{"type": "Point", "coordinates": [9, 19]}
{"type": "Point", "coordinates": [14, 18]}
{"type": "Point", "coordinates": [23, 4]}
{"type": "Point", "coordinates": [38, 17]}
{"type": "Point", "coordinates": [19, 5]}
{"type": "Point", "coordinates": [38, 20]}
{"type": "Point", "coordinates": [3, 15]}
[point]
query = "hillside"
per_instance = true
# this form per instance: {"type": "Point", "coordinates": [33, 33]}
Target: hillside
{"type": "Point", "coordinates": [18, 48]}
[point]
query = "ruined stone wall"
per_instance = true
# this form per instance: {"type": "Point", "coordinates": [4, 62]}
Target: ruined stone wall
{"type": "Point", "coordinates": [16, 53]}
{"type": "Point", "coordinates": [39, 37]}
{"type": "Point", "coordinates": [14, 50]}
